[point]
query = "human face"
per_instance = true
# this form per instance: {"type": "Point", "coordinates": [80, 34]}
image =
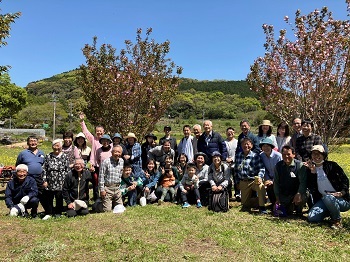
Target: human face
{"type": "Point", "coordinates": [182, 159]}
{"type": "Point", "coordinates": [79, 165]}
{"type": "Point", "coordinates": [166, 147]}
{"type": "Point", "coordinates": [167, 131]}
{"type": "Point", "coordinates": [191, 171]}
{"type": "Point", "coordinates": [116, 141]}
{"type": "Point", "coordinates": [150, 140]}
{"type": "Point", "coordinates": [265, 128]}
{"type": "Point", "coordinates": [287, 156]}
{"type": "Point", "coordinates": [56, 149]}
{"type": "Point", "coordinates": [131, 140]}
{"type": "Point", "coordinates": [67, 141]}
{"type": "Point", "coordinates": [245, 128]}
{"type": "Point", "coordinates": [246, 146]}
{"type": "Point", "coordinates": [21, 174]}
{"type": "Point", "coordinates": [230, 134]}
{"type": "Point", "coordinates": [297, 125]}
{"type": "Point", "coordinates": [216, 160]}
{"type": "Point", "coordinates": [200, 160]}
{"type": "Point", "coordinates": [99, 132]}
{"type": "Point", "coordinates": [197, 131]}
{"type": "Point", "coordinates": [266, 149]}
{"type": "Point", "coordinates": [281, 131]}
{"type": "Point", "coordinates": [187, 132]}
{"type": "Point", "coordinates": [117, 152]}
{"type": "Point", "coordinates": [168, 161]}
{"type": "Point", "coordinates": [208, 127]}
{"type": "Point", "coordinates": [80, 141]}
{"type": "Point", "coordinates": [105, 142]}
{"type": "Point", "coordinates": [317, 157]}
{"type": "Point", "coordinates": [150, 165]}
{"type": "Point", "coordinates": [127, 172]}
{"type": "Point", "coordinates": [306, 129]}
{"type": "Point", "coordinates": [32, 143]}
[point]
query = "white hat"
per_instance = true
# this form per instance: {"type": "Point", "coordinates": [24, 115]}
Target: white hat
{"type": "Point", "coordinates": [118, 209]}
{"type": "Point", "coordinates": [57, 141]}
{"type": "Point", "coordinates": [81, 134]}
{"type": "Point", "coordinates": [22, 167]}
{"type": "Point", "coordinates": [79, 204]}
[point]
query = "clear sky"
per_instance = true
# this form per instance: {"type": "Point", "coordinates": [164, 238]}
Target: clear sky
{"type": "Point", "coordinates": [209, 39]}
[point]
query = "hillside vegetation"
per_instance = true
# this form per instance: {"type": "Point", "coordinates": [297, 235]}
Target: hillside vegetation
{"type": "Point", "coordinates": [218, 99]}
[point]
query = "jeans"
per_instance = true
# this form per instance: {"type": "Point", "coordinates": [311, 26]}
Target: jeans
{"type": "Point", "coordinates": [328, 205]}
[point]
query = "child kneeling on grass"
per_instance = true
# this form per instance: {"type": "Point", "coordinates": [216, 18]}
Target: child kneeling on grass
{"type": "Point", "coordinates": [128, 184]}
{"type": "Point", "coordinates": [189, 185]}
{"type": "Point", "coordinates": [168, 184]}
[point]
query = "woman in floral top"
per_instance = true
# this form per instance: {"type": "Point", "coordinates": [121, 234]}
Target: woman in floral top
{"type": "Point", "coordinates": [55, 169]}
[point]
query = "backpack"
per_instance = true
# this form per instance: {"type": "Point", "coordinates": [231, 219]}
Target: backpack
{"type": "Point", "coordinates": [218, 201]}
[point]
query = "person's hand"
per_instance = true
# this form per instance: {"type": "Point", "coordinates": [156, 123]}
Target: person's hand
{"type": "Point", "coordinates": [229, 160]}
{"type": "Point", "coordinates": [24, 200]}
{"type": "Point", "coordinates": [146, 189]}
{"type": "Point", "coordinates": [297, 199]}
{"type": "Point", "coordinates": [185, 191]}
{"type": "Point", "coordinates": [219, 188]}
{"type": "Point", "coordinates": [214, 188]}
{"type": "Point", "coordinates": [71, 205]}
{"type": "Point", "coordinates": [103, 194]}
{"type": "Point", "coordinates": [163, 170]}
{"type": "Point", "coordinates": [147, 175]}
{"type": "Point", "coordinates": [92, 168]}
{"type": "Point", "coordinates": [336, 194]}
{"type": "Point", "coordinates": [268, 183]}
{"type": "Point", "coordinates": [311, 166]}
{"type": "Point", "coordinates": [81, 116]}
{"type": "Point", "coordinates": [127, 157]}
{"type": "Point", "coordinates": [45, 184]}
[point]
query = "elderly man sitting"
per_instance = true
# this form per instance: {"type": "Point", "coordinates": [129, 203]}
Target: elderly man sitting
{"type": "Point", "coordinates": [21, 193]}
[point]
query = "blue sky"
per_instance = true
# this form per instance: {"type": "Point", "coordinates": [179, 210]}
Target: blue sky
{"type": "Point", "coordinates": [209, 39]}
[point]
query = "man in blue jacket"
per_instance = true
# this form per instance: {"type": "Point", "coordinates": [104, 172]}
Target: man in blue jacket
{"type": "Point", "coordinates": [21, 193]}
{"type": "Point", "coordinates": [210, 142]}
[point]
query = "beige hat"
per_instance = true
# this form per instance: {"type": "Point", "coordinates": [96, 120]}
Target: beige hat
{"type": "Point", "coordinates": [131, 135]}
{"type": "Point", "coordinates": [318, 148]}
{"type": "Point", "coordinates": [266, 123]}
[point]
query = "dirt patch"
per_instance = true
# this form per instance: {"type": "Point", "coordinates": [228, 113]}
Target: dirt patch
{"type": "Point", "coordinates": [16, 145]}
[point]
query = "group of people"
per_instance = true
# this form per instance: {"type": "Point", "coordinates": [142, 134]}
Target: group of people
{"type": "Point", "coordinates": [290, 170]}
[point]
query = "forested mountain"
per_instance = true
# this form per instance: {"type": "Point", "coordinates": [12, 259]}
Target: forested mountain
{"type": "Point", "coordinates": [196, 99]}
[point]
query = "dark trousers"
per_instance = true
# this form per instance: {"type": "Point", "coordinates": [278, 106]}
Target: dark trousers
{"type": "Point", "coordinates": [189, 193]}
{"type": "Point", "coordinates": [271, 194]}
{"type": "Point", "coordinates": [39, 183]}
{"type": "Point", "coordinates": [94, 182]}
{"type": "Point", "coordinates": [50, 195]}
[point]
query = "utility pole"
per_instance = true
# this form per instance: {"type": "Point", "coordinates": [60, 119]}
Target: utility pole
{"type": "Point", "coordinates": [54, 115]}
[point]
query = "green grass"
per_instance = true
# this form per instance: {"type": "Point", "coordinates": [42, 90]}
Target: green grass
{"type": "Point", "coordinates": [170, 233]}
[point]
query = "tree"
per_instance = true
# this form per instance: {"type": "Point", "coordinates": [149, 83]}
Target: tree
{"type": "Point", "coordinates": [12, 98]}
{"type": "Point", "coordinates": [129, 91]}
{"type": "Point", "coordinates": [308, 77]}
{"type": "Point", "coordinates": [5, 26]}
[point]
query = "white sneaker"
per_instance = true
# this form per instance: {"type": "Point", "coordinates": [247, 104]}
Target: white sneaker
{"type": "Point", "coordinates": [46, 217]}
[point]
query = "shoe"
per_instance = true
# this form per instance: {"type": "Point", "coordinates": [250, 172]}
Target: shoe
{"type": "Point", "coordinates": [160, 202]}
{"type": "Point", "coordinates": [46, 217]}
{"type": "Point", "coordinates": [186, 205]}
{"type": "Point", "coordinates": [336, 225]}
{"type": "Point", "coordinates": [238, 198]}
{"type": "Point", "coordinates": [262, 211]}
{"type": "Point", "coordinates": [199, 204]}
{"type": "Point", "coordinates": [245, 209]}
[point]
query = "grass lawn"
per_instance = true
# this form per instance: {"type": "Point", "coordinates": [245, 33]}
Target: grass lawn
{"type": "Point", "coordinates": [170, 233]}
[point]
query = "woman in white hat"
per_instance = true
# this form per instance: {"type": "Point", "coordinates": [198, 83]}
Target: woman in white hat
{"type": "Point", "coordinates": [83, 149]}
{"type": "Point", "coordinates": [329, 188]}
{"type": "Point", "coordinates": [265, 130]}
